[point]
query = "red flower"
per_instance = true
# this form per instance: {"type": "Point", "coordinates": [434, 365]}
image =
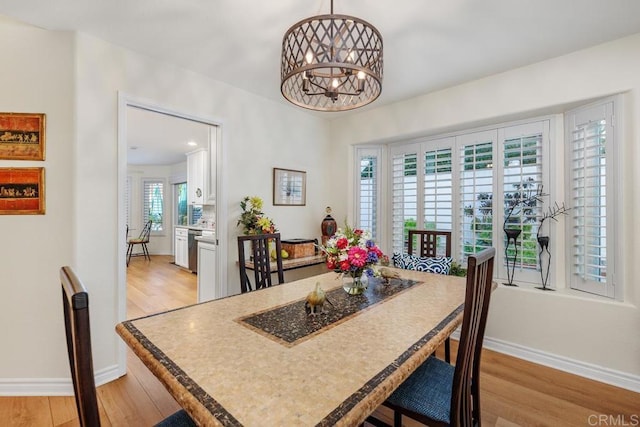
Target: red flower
{"type": "Point", "coordinates": [358, 232]}
{"type": "Point", "coordinates": [342, 243]}
{"type": "Point", "coordinates": [344, 265]}
{"type": "Point", "coordinates": [331, 264]}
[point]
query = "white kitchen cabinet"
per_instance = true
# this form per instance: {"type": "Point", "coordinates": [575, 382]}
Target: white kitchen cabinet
{"type": "Point", "coordinates": [181, 247]}
{"type": "Point", "coordinates": [197, 166]}
{"type": "Point", "coordinates": [207, 289]}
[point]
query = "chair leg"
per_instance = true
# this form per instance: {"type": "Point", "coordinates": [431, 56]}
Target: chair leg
{"type": "Point", "coordinates": [447, 350]}
{"type": "Point", "coordinates": [129, 250]}
{"type": "Point", "coordinates": [397, 419]}
{"type": "Point", "coordinates": [145, 250]}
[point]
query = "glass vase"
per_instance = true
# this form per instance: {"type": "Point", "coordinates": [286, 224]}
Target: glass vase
{"type": "Point", "coordinates": [354, 285]}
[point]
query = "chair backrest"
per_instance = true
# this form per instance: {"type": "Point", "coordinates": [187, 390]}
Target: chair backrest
{"type": "Point", "coordinates": [261, 260]}
{"type": "Point", "coordinates": [465, 398]}
{"type": "Point", "coordinates": [146, 232]}
{"type": "Point", "coordinates": [75, 302]}
{"type": "Point", "coordinates": [429, 241]}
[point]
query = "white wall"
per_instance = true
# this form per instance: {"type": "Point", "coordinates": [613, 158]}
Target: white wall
{"type": "Point", "coordinates": [37, 77]}
{"type": "Point", "coordinates": [75, 80]}
{"type": "Point", "coordinates": [585, 330]}
{"type": "Point", "coordinates": [257, 135]}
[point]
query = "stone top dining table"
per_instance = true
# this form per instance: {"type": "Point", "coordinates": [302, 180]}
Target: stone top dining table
{"type": "Point", "coordinates": [258, 359]}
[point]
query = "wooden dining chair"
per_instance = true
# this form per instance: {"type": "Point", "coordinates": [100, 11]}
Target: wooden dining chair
{"type": "Point", "coordinates": [261, 259]}
{"type": "Point", "coordinates": [430, 244]}
{"type": "Point", "coordinates": [437, 393]}
{"type": "Point", "coordinates": [75, 303]}
{"type": "Point", "coordinates": [429, 241]}
{"type": "Point", "coordinates": [142, 240]}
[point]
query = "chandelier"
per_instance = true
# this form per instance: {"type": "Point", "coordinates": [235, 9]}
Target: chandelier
{"type": "Point", "coordinates": [331, 63]}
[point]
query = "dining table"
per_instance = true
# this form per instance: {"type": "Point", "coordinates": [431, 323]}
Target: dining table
{"type": "Point", "coordinates": [264, 359]}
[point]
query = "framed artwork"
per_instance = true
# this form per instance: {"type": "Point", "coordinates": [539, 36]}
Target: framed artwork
{"type": "Point", "coordinates": [289, 187]}
{"type": "Point", "coordinates": [21, 191]}
{"type": "Point", "coordinates": [22, 136]}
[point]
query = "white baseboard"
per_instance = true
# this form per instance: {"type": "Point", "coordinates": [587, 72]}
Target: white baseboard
{"type": "Point", "coordinates": [576, 367]}
{"type": "Point", "coordinates": [50, 386]}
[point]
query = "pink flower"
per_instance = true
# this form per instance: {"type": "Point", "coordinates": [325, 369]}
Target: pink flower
{"type": "Point", "coordinates": [357, 256]}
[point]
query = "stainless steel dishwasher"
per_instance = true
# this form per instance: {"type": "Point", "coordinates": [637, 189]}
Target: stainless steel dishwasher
{"type": "Point", "coordinates": [193, 249]}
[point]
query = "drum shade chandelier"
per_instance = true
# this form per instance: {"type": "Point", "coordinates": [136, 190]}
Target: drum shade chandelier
{"type": "Point", "coordinates": [331, 63]}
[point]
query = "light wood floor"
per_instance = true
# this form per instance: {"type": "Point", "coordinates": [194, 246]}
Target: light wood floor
{"type": "Point", "coordinates": [514, 392]}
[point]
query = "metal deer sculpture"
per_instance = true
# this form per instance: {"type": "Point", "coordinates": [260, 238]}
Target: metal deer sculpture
{"type": "Point", "coordinates": [553, 212]}
{"type": "Point", "coordinates": [518, 200]}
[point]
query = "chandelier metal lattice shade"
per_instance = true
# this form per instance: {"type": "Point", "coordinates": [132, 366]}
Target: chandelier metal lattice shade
{"type": "Point", "coordinates": [331, 63]}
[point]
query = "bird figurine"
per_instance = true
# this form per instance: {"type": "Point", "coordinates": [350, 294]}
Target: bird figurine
{"type": "Point", "coordinates": [388, 274]}
{"type": "Point", "coordinates": [315, 301]}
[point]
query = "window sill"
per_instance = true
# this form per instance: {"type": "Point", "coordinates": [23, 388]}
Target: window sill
{"type": "Point", "coordinates": [563, 293]}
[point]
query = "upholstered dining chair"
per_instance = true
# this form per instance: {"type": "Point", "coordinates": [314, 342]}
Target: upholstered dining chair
{"type": "Point", "coordinates": [261, 259]}
{"type": "Point", "coordinates": [437, 393]}
{"type": "Point", "coordinates": [75, 303]}
{"type": "Point", "coordinates": [141, 240]}
{"type": "Point", "coordinates": [430, 244]}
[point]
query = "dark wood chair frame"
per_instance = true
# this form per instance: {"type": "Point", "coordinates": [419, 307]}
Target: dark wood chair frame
{"type": "Point", "coordinates": [428, 242]}
{"type": "Point", "coordinates": [142, 240]}
{"type": "Point", "coordinates": [428, 247]}
{"type": "Point", "coordinates": [261, 261]}
{"type": "Point", "coordinates": [75, 301]}
{"type": "Point", "coordinates": [465, 396]}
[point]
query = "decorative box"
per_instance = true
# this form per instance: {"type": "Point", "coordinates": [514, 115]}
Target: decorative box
{"type": "Point", "coordinates": [300, 248]}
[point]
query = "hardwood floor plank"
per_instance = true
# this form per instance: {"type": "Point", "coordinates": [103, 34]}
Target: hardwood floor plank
{"type": "Point", "coordinates": [25, 411]}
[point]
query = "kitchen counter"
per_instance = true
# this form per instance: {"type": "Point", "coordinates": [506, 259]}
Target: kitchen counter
{"type": "Point", "coordinates": [194, 227]}
{"type": "Point", "coordinates": [207, 239]}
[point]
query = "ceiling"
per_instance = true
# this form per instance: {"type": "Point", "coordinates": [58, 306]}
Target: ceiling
{"type": "Point", "coordinates": [428, 44]}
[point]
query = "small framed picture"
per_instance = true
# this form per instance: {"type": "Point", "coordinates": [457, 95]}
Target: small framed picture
{"type": "Point", "coordinates": [289, 187]}
{"type": "Point", "coordinates": [22, 136]}
{"type": "Point", "coordinates": [21, 191]}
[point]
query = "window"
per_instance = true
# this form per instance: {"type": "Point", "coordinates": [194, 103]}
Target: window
{"type": "Point", "coordinates": [591, 156]}
{"type": "Point", "coordinates": [404, 194]}
{"type": "Point", "coordinates": [368, 163]}
{"type": "Point", "coordinates": [474, 184]}
{"type": "Point", "coordinates": [477, 183]}
{"type": "Point", "coordinates": [153, 203]}
{"type": "Point", "coordinates": [181, 209]}
{"type": "Point", "coordinates": [127, 201]}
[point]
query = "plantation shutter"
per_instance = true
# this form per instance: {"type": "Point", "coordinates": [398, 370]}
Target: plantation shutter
{"type": "Point", "coordinates": [127, 202]}
{"type": "Point", "coordinates": [522, 179]}
{"type": "Point", "coordinates": [367, 188]}
{"type": "Point", "coordinates": [476, 192]}
{"type": "Point", "coordinates": [153, 203]}
{"type": "Point", "coordinates": [590, 150]}
{"type": "Point", "coordinates": [438, 190]}
{"type": "Point", "coordinates": [404, 194]}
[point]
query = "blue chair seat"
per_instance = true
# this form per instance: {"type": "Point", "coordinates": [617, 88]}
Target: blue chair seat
{"type": "Point", "coordinates": [178, 419]}
{"type": "Point", "coordinates": [427, 391]}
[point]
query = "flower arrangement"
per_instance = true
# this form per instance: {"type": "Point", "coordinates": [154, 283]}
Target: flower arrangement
{"type": "Point", "coordinates": [252, 219]}
{"type": "Point", "coordinates": [352, 252]}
